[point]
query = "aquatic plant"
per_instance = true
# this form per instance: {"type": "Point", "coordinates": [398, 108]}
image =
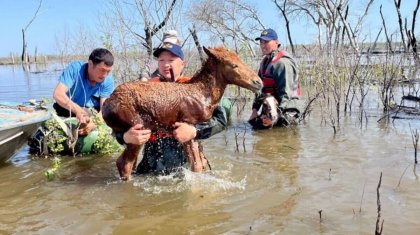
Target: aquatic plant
{"type": "Point", "coordinates": [105, 143]}
{"type": "Point", "coordinates": [54, 137]}
{"type": "Point", "coordinates": [50, 173]}
{"type": "Point", "coordinates": [59, 140]}
{"type": "Point", "coordinates": [56, 141]}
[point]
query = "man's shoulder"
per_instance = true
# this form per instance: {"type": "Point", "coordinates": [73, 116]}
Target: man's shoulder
{"type": "Point", "coordinates": [73, 70]}
{"type": "Point", "coordinates": [109, 80]}
{"type": "Point", "coordinates": [77, 64]}
{"type": "Point", "coordinates": [286, 55]}
{"type": "Point", "coordinates": [287, 60]}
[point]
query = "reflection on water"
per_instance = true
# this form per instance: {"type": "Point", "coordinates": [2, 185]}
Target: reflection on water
{"type": "Point", "coordinates": [19, 86]}
{"type": "Point", "coordinates": [265, 182]}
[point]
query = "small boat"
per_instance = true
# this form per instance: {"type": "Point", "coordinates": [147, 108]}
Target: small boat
{"type": "Point", "coordinates": [17, 124]}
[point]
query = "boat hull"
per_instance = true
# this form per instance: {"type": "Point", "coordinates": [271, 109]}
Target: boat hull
{"type": "Point", "coordinates": [16, 127]}
{"type": "Point", "coordinates": [12, 140]}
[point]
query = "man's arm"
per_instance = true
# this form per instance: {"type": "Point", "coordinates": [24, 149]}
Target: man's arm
{"type": "Point", "coordinates": [284, 73]}
{"type": "Point", "coordinates": [217, 123]}
{"type": "Point", "coordinates": [184, 132]}
{"type": "Point", "coordinates": [60, 96]}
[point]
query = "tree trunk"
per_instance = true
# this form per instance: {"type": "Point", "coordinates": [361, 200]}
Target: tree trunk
{"type": "Point", "coordinates": [388, 40]}
{"type": "Point", "coordinates": [289, 36]}
{"type": "Point", "coordinates": [284, 13]}
{"type": "Point", "coordinates": [197, 43]}
{"type": "Point", "coordinates": [24, 57]}
{"type": "Point", "coordinates": [36, 54]}
{"type": "Point", "coordinates": [400, 23]}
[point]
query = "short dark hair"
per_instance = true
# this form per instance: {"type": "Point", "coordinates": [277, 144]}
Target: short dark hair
{"type": "Point", "coordinates": [101, 55]}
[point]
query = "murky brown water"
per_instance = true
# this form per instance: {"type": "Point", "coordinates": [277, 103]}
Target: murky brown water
{"type": "Point", "coordinates": [272, 182]}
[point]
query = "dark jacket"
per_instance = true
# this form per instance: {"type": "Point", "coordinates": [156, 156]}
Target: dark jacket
{"type": "Point", "coordinates": [283, 70]}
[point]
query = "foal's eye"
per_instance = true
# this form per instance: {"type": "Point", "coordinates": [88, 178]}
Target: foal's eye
{"type": "Point", "coordinates": [234, 66]}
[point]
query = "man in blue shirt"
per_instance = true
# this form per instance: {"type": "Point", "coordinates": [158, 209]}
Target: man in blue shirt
{"type": "Point", "coordinates": [83, 86]}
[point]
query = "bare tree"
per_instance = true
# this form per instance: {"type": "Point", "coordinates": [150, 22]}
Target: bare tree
{"type": "Point", "coordinates": [400, 23]}
{"type": "Point", "coordinates": [83, 41]}
{"type": "Point", "coordinates": [149, 29]}
{"type": "Point", "coordinates": [353, 34]}
{"type": "Point", "coordinates": [139, 22]}
{"type": "Point", "coordinates": [312, 10]}
{"type": "Point", "coordinates": [193, 32]}
{"type": "Point", "coordinates": [412, 41]}
{"type": "Point", "coordinates": [331, 17]}
{"type": "Point", "coordinates": [25, 57]}
{"type": "Point", "coordinates": [283, 10]}
{"type": "Point", "coordinates": [230, 21]}
{"type": "Point", "coordinates": [62, 46]}
{"type": "Point", "coordinates": [324, 15]}
{"type": "Point", "coordinates": [388, 40]}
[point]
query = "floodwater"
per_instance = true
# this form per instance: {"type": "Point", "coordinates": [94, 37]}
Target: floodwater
{"type": "Point", "coordinates": [302, 180]}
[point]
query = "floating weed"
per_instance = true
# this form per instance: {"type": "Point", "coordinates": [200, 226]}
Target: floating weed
{"type": "Point", "coordinates": [50, 173]}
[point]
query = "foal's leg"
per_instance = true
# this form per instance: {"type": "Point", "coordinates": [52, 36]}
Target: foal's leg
{"type": "Point", "coordinates": [195, 156]}
{"type": "Point", "coordinates": [127, 160]}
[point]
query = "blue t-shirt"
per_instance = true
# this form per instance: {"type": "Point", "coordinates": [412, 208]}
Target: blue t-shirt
{"type": "Point", "coordinates": [80, 91]}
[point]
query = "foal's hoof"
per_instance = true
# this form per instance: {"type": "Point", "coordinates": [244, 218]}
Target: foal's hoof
{"type": "Point", "coordinates": [125, 178]}
{"type": "Point", "coordinates": [124, 170]}
{"type": "Point", "coordinates": [200, 165]}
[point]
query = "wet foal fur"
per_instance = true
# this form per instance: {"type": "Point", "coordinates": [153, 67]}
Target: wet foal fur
{"type": "Point", "coordinates": [159, 105]}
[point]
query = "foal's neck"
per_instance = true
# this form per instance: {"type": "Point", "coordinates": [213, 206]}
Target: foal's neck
{"type": "Point", "coordinates": [212, 82]}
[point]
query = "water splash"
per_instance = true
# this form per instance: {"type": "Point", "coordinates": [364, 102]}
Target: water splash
{"type": "Point", "coordinates": [185, 180]}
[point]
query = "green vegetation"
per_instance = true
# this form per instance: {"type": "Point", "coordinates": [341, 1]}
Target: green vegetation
{"type": "Point", "coordinates": [58, 142]}
{"type": "Point", "coordinates": [105, 144]}
{"type": "Point", "coordinates": [50, 173]}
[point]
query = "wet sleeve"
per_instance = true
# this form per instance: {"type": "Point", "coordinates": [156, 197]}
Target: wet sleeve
{"type": "Point", "coordinates": [279, 74]}
{"type": "Point", "coordinates": [283, 74]}
{"type": "Point", "coordinates": [216, 124]}
{"type": "Point", "coordinates": [257, 102]}
{"type": "Point", "coordinates": [120, 137]}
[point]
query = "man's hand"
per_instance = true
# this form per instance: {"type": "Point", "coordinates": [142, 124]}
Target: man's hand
{"type": "Point", "coordinates": [136, 135]}
{"type": "Point", "coordinates": [266, 121]}
{"type": "Point", "coordinates": [184, 132]}
{"type": "Point", "coordinates": [83, 117]}
{"type": "Point", "coordinates": [85, 129]}
{"type": "Point", "coordinates": [254, 114]}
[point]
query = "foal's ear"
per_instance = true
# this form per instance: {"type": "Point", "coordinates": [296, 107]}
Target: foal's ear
{"type": "Point", "coordinates": [209, 52]}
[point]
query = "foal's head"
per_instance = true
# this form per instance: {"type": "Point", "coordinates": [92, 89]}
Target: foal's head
{"type": "Point", "coordinates": [234, 70]}
{"type": "Point", "coordinates": [269, 109]}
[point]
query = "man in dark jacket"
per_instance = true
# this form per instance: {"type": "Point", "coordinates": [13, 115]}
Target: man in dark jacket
{"type": "Point", "coordinates": [278, 71]}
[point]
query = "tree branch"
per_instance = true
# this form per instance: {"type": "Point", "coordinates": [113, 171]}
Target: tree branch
{"type": "Point", "coordinates": [386, 32]}
{"type": "Point", "coordinates": [35, 15]}
{"type": "Point", "coordinates": [400, 23]}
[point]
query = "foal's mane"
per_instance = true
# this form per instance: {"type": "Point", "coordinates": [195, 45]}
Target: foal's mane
{"type": "Point", "coordinates": [220, 54]}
